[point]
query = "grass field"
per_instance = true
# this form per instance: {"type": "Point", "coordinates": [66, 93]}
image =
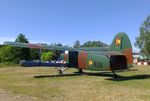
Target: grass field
{"type": "Point", "coordinates": [42, 84]}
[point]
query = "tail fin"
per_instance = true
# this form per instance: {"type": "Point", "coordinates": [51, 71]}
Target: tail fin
{"type": "Point", "coordinates": [121, 43]}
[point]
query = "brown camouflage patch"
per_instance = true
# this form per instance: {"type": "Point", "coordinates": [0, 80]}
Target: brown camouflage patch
{"type": "Point", "coordinates": [65, 57]}
{"type": "Point", "coordinates": [82, 59]}
{"type": "Point", "coordinates": [129, 56]}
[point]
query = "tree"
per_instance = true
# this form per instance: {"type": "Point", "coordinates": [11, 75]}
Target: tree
{"type": "Point", "coordinates": [56, 53]}
{"type": "Point", "coordinates": [22, 53]}
{"type": "Point", "coordinates": [47, 56]}
{"type": "Point", "coordinates": [77, 44]}
{"type": "Point", "coordinates": [35, 54]}
{"type": "Point", "coordinates": [87, 44]}
{"type": "Point", "coordinates": [143, 41]}
{"type": "Point", "coordinates": [43, 56]}
{"type": "Point", "coordinates": [94, 44]}
{"type": "Point", "coordinates": [21, 38]}
{"type": "Point", "coordinates": [7, 54]}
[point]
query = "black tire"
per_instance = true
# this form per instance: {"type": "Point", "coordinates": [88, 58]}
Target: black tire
{"type": "Point", "coordinates": [80, 70]}
{"type": "Point", "coordinates": [115, 76]}
{"type": "Point", "coordinates": [60, 72]}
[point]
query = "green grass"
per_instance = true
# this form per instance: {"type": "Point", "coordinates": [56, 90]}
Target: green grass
{"type": "Point", "coordinates": [133, 85]}
{"type": "Point", "coordinates": [8, 64]}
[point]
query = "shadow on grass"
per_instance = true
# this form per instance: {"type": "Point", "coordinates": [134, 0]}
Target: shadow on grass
{"type": "Point", "coordinates": [126, 78]}
{"type": "Point", "coordinates": [63, 75]}
{"type": "Point", "coordinates": [103, 74]}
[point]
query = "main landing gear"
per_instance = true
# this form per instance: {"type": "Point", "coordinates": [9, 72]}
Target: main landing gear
{"type": "Point", "coordinates": [80, 70]}
{"type": "Point", "coordinates": [114, 75]}
{"type": "Point", "coordinates": [61, 70]}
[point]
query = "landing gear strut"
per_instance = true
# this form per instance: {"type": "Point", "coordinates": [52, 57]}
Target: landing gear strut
{"type": "Point", "coordinates": [114, 75]}
{"type": "Point", "coordinates": [60, 70]}
{"type": "Point", "coordinates": [80, 70]}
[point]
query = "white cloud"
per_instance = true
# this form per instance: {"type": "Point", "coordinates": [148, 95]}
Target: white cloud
{"type": "Point", "coordinates": [3, 39]}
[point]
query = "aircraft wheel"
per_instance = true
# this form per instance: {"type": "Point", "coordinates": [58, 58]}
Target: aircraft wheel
{"type": "Point", "coordinates": [115, 76]}
{"type": "Point", "coordinates": [80, 70]}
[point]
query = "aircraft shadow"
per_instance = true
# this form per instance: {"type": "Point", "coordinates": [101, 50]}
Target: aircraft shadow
{"type": "Point", "coordinates": [105, 74]}
{"type": "Point", "coordinates": [126, 78]}
{"type": "Point", "coordinates": [46, 76]}
{"type": "Point", "coordinates": [109, 75]}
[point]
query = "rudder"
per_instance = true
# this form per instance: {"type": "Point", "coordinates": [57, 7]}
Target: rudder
{"type": "Point", "coordinates": [121, 43]}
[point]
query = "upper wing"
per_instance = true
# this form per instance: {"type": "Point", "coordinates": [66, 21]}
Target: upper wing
{"type": "Point", "coordinates": [39, 46]}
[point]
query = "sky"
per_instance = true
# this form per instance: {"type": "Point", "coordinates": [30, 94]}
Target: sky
{"type": "Point", "coordinates": [65, 21]}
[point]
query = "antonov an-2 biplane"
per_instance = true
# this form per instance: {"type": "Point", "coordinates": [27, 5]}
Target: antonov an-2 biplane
{"type": "Point", "coordinates": [118, 56]}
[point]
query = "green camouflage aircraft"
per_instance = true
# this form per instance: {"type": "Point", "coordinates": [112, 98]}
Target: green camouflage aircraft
{"type": "Point", "coordinates": [118, 56]}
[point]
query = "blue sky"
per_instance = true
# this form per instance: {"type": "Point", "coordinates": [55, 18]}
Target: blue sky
{"type": "Point", "coordinates": [65, 21]}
